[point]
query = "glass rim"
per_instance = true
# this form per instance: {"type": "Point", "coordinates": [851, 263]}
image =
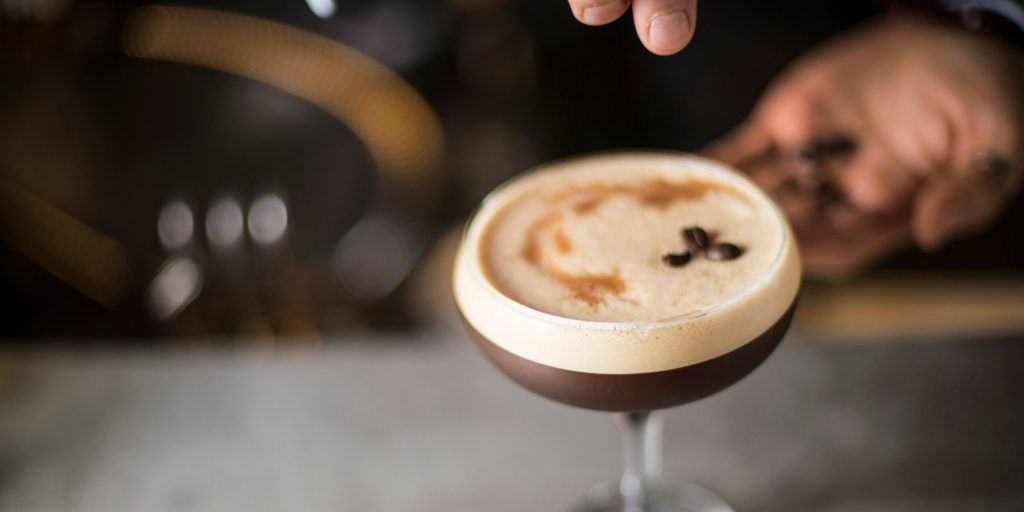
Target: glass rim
{"type": "Point", "coordinates": [683, 318]}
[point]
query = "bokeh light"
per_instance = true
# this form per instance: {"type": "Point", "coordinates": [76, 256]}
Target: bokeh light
{"type": "Point", "coordinates": [175, 225]}
{"type": "Point", "coordinates": [224, 222]}
{"type": "Point", "coordinates": [268, 219]}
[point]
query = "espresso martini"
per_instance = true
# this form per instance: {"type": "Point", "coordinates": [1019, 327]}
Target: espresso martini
{"type": "Point", "coordinates": [629, 281]}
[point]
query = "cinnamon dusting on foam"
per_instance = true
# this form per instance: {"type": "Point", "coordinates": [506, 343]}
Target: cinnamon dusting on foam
{"type": "Point", "coordinates": [657, 193]}
{"type": "Point", "coordinates": [582, 200]}
{"type": "Point", "coordinates": [590, 288]}
{"type": "Point", "coordinates": [562, 242]}
{"type": "Point", "coordinates": [531, 248]}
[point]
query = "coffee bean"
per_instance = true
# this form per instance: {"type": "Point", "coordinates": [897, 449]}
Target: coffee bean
{"type": "Point", "coordinates": [723, 252]}
{"type": "Point", "coordinates": [695, 238]}
{"type": "Point", "coordinates": [808, 174]}
{"type": "Point", "coordinates": [826, 147]}
{"type": "Point", "coordinates": [676, 259]}
{"type": "Point", "coordinates": [838, 145]}
{"type": "Point", "coordinates": [810, 154]}
{"type": "Point", "coordinates": [829, 193]}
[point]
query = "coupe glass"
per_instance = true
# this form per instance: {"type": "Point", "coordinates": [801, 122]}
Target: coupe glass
{"type": "Point", "coordinates": [634, 398]}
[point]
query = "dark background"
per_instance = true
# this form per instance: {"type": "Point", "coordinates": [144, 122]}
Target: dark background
{"type": "Point", "coordinates": [111, 139]}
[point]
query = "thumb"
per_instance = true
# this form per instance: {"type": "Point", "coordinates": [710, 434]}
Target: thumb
{"type": "Point", "coordinates": [951, 206]}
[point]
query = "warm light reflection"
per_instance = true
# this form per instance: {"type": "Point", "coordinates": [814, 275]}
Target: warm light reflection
{"type": "Point", "coordinates": [224, 222]}
{"type": "Point", "coordinates": [268, 219]}
{"type": "Point", "coordinates": [400, 130]}
{"type": "Point", "coordinates": [87, 260]}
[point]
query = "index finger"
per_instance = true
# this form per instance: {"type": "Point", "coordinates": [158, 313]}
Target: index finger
{"type": "Point", "coordinates": [744, 144]}
{"type": "Point", "coordinates": [598, 12]}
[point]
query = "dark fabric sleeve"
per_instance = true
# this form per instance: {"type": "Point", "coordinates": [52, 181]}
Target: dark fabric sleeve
{"type": "Point", "coordinates": [1003, 19]}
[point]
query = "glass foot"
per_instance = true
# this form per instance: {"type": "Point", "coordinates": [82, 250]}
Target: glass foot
{"type": "Point", "coordinates": [682, 497]}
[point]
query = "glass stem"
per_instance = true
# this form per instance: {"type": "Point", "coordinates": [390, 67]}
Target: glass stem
{"type": "Point", "coordinates": [652, 449]}
{"type": "Point", "coordinates": [641, 442]}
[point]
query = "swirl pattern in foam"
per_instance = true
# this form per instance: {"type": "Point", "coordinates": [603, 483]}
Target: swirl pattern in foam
{"type": "Point", "coordinates": [563, 266]}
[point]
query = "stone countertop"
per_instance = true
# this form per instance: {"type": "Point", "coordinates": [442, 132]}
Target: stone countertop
{"type": "Point", "coordinates": [380, 424]}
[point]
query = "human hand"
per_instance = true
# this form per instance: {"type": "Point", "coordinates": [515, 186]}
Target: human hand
{"type": "Point", "coordinates": [664, 26]}
{"type": "Point", "coordinates": [902, 131]}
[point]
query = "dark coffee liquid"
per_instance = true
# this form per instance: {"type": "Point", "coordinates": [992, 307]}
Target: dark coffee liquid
{"type": "Point", "coordinates": [638, 391]}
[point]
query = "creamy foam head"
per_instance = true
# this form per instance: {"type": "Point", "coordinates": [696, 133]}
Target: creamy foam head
{"type": "Point", "coordinates": [564, 265]}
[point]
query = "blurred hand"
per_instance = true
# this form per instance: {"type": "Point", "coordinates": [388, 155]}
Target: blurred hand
{"type": "Point", "coordinates": [902, 131]}
{"type": "Point", "coordinates": [664, 26]}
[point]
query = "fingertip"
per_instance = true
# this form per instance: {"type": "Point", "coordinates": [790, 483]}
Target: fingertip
{"type": "Point", "coordinates": [946, 209]}
{"type": "Point", "coordinates": [598, 12]}
{"type": "Point", "coordinates": [668, 33]}
{"type": "Point", "coordinates": [930, 238]}
{"type": "Point", "coordinates": [665, 26]}
{"type": "Point", "coordinates": [929, 229]}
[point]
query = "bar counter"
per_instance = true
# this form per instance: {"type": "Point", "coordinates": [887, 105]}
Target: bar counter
{"type": "Point", "coordinates": [423, 423]}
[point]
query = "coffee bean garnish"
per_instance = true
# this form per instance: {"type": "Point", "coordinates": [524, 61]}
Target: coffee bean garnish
{"type": "Point", "coordinates": [829, 193]}
{"type": "Point", "coordinates": [696, 239]}
{"type": "Point", "coordinates": [813, 164]}
{"type": "Point", "coordinates": [724, 252]}
{"type": "Point", "coordinates": [676, 259]}
{"type": "Point", "coordinates": [827, 147]}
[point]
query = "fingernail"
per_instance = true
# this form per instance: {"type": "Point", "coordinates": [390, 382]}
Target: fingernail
{"type": "Point", "coordinates": [669, 31]}
{"type": "Point", "coordinates": [599, 14]}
